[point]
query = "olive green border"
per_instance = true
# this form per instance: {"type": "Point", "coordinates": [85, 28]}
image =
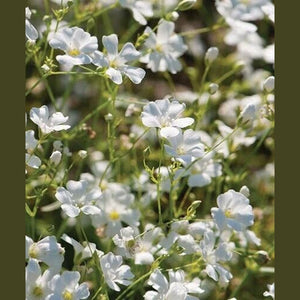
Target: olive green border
{"type": "Point", "coordinates": [12, 149]}
{"type": "Point", "coordinates": [287, 152]}
{"type": "Point", "coordinates": [287, 162]}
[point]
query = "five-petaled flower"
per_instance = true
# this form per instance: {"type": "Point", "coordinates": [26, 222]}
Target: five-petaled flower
{"type": "Point", "coordinates": [116, 63]}
{"type": "Point", "coordinates": [164, 48]}
{"type": "Point", "coordinates": [76, 198]}
{"type": "Point", "coordinates": [40, 116]}
{"type": "Point", "coordinates": [166, 115]}
{"type": "Point", "coordinates": [77, 44]}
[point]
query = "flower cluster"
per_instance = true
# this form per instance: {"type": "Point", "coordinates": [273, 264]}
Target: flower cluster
{"type": "Point", "coordinates": [149, 149]}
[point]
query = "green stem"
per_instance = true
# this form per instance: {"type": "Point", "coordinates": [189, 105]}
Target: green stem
{"type": "Point", "coordinates": [244, 280]}
{"type": "Point", "coordinates": [121, 296]}
{"type": "Point", "coordinates": [202, 30]}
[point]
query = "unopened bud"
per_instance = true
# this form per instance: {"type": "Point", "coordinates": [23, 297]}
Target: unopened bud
{"type": "Point", "coordinates": [45, 68]}
{"type": "Point", "coordinates": [141, 39]}
{"type": "Point", "coordinates": [191, 211]}
{"type": "Point", "coordinates": [248, 113]}
{"type": "Point", "coordinates": [82, 154]}
{"type": "Point", "coordinates": [172, 16]}
{"type": "Point", "coordinates": [185, 5]}
{"type": "Point", "coordinates": [55, 157]}
{"type": "Point", "coordinates": [109, 117]}
{"type": "Point", "coordinates": [211, 54]}
{"type": "Point", "coordinates": [213, 87]}
{"type": "Point", "coordinates": [261, 257]}
{"type": "Point", "coordinates": [269, 84]}
{"type": "Point", "coordinates": [245, 191]}
{"type": "Point", "coordinates": [239, 65]}
{"type": "Point", "coordinates": [47, 19]}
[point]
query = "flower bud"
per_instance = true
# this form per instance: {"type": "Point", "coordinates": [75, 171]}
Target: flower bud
{"type": "Point", "coordinates": [82, 154]}
{"type": "Point", "coordinates": [185, 5]}
{"type": "Point", "coordinates": [269, 84]}
{"type": "Point", "coordinates": [239, 65]}
{"type": "Point", "coordinates": [261, 257]}
{"type": "Point", "coordinates": [245, 191]}
{"type": "Point", "coordinates": [47, 19]}
{"type": "Point", "coordinates": [109, 117]}
{"type": "Point", "coordinates": [172, 16]}
{"type": "Point", "coordinates": [45, 68]}
{"type": "Point", "coordinates": [55, 157]}
{"type": "Point", "coordinates": [248, 113]}
{"type": "Point", "coordinates": [213, 88]}
{"type": "Point", "coordinates": [191, 211]}
{"type": "Point", "coordinates": [211, 54]}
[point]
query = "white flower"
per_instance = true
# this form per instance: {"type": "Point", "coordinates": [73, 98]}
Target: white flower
{"type": "Point", "coordinates": [52, 28]}
{"type": "Point", "coordinates": [165, 115]}
{"type": "Point", "coordinates": [82, 251]}
{"type": "Point", "coordinates": [30, 31]}
{"type": "Point", "coordinates": [164, 48]}
{"type": "Point", "coordinates": [181, 235]}
{"type": "Point", "coordinates": [248, 236]}
{"type": "Point", "coordinates": [115, 204]}
{"type": "Point", "coordinates": [234, 211]}
{"type": "Point", "coordinates": [269, 54]}
{"type": "Point", "coordinates": [36, 282]}
{"type": "Point", "coordinates": [177, 288]}
{"type": "Point", "coordinates": [185, 147]}
{"type": "Point", "coordinates": [77, 44]}
{"type": "Point", "coordinates": [116, 63]}
{"type": "Point", "coordinates": [32, 161]}
{"type": "Point", "coordinates": [212, 256]}
{"type": "Point", "coordinates": [269, 10]}
{"type": "Point", "coordinates": [249, 45]}
{"type": "Point", "coordinates": [140, 248]}
{"type": "Point", "coordinates": [140, 9]}
{"type": "Point", "coordinates": [237, 13]}
{"type": "Point", "coordinates": [40, 116]}
{"type": "Point", "coordinates": [237, 139]}
{"type": "Point", "coordinates": [76, 198]}
{"type": "Point", "coordinates": [31, 143]}
{"type": "Point", "coordinates": [46, 250]}
{"type": "Point", "coordinates": [271, 291]}
{"type": "Point", "coordinates": [66, 286]}
{"type": "Point", "coordinates": [114, 272]}
{"type": "Point", "coordinates": [202, 171]}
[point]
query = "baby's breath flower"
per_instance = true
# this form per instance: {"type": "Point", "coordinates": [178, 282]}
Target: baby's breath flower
{"type": "Point", "coordinates": [47, 124]}
{"type": "Point", "coordinates": [164, 48]}
{"type": "Point", "coordinates": [77, 44]}
{"type": "Point", "coordinates": [116, 63]}
{"type": "Point", "coordinates": [166, 115]}
{"type": "Point", "coordinates": [114, 272]}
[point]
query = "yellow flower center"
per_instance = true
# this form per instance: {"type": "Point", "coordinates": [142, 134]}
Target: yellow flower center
{"type": "Point", "coordinates": [103, 185]}
{"type": "Point", "coordinates": [74, 52]}
{"type": "Point", "coordinates": [180, 150]}
{"type": "Point", "coordinates": [33, 251]}
{"type": "Point", "coordinates": [228, 213]}
{"type": "Point", "coordinates": [113, 64]}
{"type": "Point", "coordinates": [159, 48]}
{"type": "Point", "coordinates": [37, 291]}
{"type": "Point", "coordinates": [67, 295]}
{"type": "Point", "coordinates": [114, 215]}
